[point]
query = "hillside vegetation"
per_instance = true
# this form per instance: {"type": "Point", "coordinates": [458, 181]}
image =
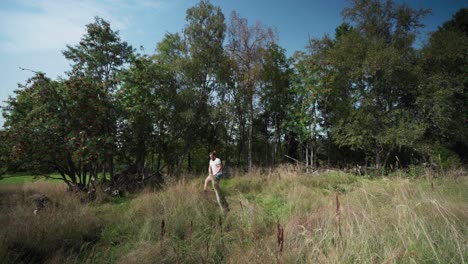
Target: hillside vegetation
{"type": "Point", "coordinates": [333, 217]}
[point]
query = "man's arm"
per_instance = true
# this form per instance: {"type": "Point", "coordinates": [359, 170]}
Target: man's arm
{"type": "Point", "coordinates": [209, 170]}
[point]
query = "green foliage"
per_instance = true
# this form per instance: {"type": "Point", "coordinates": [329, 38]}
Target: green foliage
{"type": "Point", "coordinates": [100, 54]}
{"type": "Point", "coordinates": [246, 47]}
{"type": "Point", "coordinates": [275, 97]}
{"type": "Point", "coordinates": [443, 93]}
{"type": "Point", "coordinates": [366, 95]}
{"type": "Point", "coordinates": [196, 61]}
{"type": "Point", "coordinates": [205, 35]}
{"type": "Point", "coordinates": [444, 158]}
{"type": "Point", "coordinates": [376, 78]}
{"type": "Point", "coordinates": [69, 125]}
{"type": "Point", "coordinates": [146, 100]}
{"type": "Point", "coordinates": [311, 84]}
{"type": "Point", "coordinates": [458, 23]}
{"type": "Point", "coordinates": [77, 118]}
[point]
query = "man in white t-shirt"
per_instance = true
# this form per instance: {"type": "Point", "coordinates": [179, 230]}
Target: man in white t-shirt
{"type": "Point", "coordinates": [215, 170]}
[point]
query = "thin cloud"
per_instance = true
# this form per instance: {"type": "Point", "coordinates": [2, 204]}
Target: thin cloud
{"type": "Point", "coordinates": [52, 24]}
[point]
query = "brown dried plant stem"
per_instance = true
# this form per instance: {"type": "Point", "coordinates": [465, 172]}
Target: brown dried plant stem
{"type": "Point", "coordinates": [280, 238]}
{"type": "Point", "coordinates": [163, 229]}
{"type": "Point", "coordinates": [338, 213]}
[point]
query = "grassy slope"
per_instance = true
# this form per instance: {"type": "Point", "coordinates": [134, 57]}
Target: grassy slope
{"type": "Point", "coordinates": [393, 220]}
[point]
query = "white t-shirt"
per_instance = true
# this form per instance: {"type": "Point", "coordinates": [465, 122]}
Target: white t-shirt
{"type": "Point", "coordinates": [215, 166]}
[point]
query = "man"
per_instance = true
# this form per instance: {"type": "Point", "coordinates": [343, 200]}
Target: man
{"type": "Point", "coordinates": [215, 170]}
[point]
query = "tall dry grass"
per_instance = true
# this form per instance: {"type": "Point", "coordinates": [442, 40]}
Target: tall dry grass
{"type": "Point", "coordinates": [63, 227]}
{"type": "Point", "coordinates": [382, 220]}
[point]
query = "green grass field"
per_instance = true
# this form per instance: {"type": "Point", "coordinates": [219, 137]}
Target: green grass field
{"type": "Point", "coordinates": [19, 179]}
{"type": "Point", "coordinates": [26, 178]}
{"type": "Point", "coordinates": [381, 220]}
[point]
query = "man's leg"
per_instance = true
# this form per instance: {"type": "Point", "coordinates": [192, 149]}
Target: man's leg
{"type": "Point", "coordinates": [207, 180]}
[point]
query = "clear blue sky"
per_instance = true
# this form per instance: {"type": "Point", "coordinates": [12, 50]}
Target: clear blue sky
{"type": "Point", "coordinates": [33, 32]}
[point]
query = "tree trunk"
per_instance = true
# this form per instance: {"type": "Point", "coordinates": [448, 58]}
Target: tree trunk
{"type": "Point", "coordinates": [111, 167]}
{"type": "Point", "coordinates": [312, 157]}
{"type": "Point", "coordinates": [181, 159]}
{"type": "Point", "coordinates": [267, 141]}
{"type": "Point", "coordinates": [328, 148]}
{"type": "Point", "coordinates": [140, 156]}
{"type": "Point", "coordinates": [314, 136]}
{"type": "Point", "coordinates": [377, 159]}
{"type": "Point", "coordinates": [63, 174]}
{"type": "Point", "coordinates": [190, 162]}
{"type": "Point", "coordinates": [275, 151]}
{"type": "Point", "coordinates": [387, 156]}
{"type": "Point", "coordinates": [250, 136]}
{"type": "Point", "coordinates": [278, 141]}
{"type": "Point", "coordinates": [241, 143]}
{"type": "Point", "coordinates": [158, 162]}
{"type": "Point", "coordinates": [104, 172]}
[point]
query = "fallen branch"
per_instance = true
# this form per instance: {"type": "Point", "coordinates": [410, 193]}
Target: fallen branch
{"type": "Point", "coordinates": [302, 163]}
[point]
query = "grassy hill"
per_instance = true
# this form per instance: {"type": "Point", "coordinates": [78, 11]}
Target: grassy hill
{"type": "Point", "coordinates": [329, 218]}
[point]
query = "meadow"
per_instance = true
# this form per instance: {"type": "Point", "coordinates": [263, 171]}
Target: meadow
{"type": "Point", "coordinates": [276, 216]}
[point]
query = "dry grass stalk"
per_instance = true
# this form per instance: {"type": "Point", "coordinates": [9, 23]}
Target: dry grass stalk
{"type": "Point", "coordinates": [220, 223]}
{"type": "Point", "coordinates": [338, 213]}
{"type": "Point", "coordinates": [280, 238]}
{"type": "Point", "coordinates": [163, 229]}
{"type": "Point", "coordinates": [337, 199]}
{"type": "Point", "coordinates": [207, 252]}
{"type": "Point", "coordinates": [190, 231]}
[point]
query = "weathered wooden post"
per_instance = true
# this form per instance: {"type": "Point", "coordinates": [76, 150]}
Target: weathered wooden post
{"type": "Point", "coordinates": [223, 204]}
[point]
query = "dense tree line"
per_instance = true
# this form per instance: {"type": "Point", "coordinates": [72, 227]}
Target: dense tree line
{"type": "Point", "coordinates": [365, 95]}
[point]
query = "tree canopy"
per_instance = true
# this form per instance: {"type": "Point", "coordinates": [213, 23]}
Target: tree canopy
{"type": "Point", "coordinates": [366, 95]}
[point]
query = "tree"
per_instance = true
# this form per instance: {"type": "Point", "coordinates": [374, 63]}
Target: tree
{"type": "Point", "coordinates": [200, 63]}
{"type": "Point", "coordinates": [442, 96]}
{"type": "Point", "coordinates": [4, 152]}
{"type": "Point", "coordinates": [376, 79]}
{"type": "Point", "coordinates": [100, 56]}
{"type": "Point", "coordinates": [275, 95]}
{"type": "Point", "coordinates": [311, 87]}
{"type": "Point", "coordinates": [146, 99]}
{"type": "Point", "coordinates": [246, 46]}
{"type": "Point", "coordinates": [59, 125]}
